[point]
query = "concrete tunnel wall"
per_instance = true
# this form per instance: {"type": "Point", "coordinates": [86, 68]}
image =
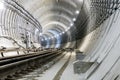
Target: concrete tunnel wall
{"type": "Point", "coordinates": [101, 46]}
{"type": "Point", "coordinates": [16, 29]}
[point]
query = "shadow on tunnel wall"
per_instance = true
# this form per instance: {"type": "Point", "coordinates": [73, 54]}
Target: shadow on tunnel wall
{"type": "Point", "coordinates": [81, 25]}
{"type": "Point", "coordinates": [92, 15]}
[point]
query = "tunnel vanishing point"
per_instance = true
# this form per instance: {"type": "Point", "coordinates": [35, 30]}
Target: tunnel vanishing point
{"type": "Point", "coordinates": [90, 28]}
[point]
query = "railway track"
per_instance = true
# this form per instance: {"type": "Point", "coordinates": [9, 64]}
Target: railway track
{"type": "Point", "coordinates": [12, 67]}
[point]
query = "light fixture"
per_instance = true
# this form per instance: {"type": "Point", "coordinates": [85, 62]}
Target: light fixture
{"type": "Point", "coordinates": [45, 38]}
{"type": "Point", "coordinates": [66, 29]}
{"type": "Point", "coordinates": [40, 34]}
{"type": "Point", "coordinates": [74, 19]}
{"type": "Point", "coordinates": [77, 11]}
{"type": "Point", "coordinates": [63, 32]}
{"type": "Point", "coordinates": [71, 24]}
{"type": "Point", "coordinates": [1, 5]}
{"type": "Point", "coordinates": [57, 36]}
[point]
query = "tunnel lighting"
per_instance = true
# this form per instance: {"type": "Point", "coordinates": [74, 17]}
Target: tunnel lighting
{"type": "Point", "coordinates": [57, 36]}
{"type": "Point", "coordinates": [67, 29]}
{"type": "Point", "coordinates": [74, 19]}
{"type": "Point", "coordinates": [63, 32]}
{"type": "Point", "coordinates": [45, 39]}
{"type": "Point", "coordinates": [36, 31]}
{"type": "Point", "coordinates": [77, 11]}
{"type": "Point", "coordinates": [40, 34]}
{"type": "Point", "coordinates": [1, 6]}
{"type": "Point", "coordinates": [71, 24]}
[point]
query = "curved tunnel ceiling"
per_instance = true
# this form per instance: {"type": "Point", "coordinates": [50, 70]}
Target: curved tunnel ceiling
{"type": "Point", "coordinates": [93, 29]}
{"type": "Point", "coordinates": [56, 15]}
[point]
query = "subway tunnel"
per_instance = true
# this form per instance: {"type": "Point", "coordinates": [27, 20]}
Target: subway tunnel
{"type": "Point", "coordinates": [59, 39]}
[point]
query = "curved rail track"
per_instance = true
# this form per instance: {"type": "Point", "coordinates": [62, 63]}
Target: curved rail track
{"type": "Point", "coordinates": [10, 66]}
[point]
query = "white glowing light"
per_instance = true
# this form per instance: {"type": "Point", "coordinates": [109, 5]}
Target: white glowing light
{"type": "Point", "coordinates": [66, 30]}
{"type": "Point", "coordinates": [77, 11]}
{"type": "Point", "coordinates": [60, 33]}
{"type": "Point", "coordinates": [1, 6]}
{"type": "Point", "coordinates": [63, 32]}
{"type": "Point", "coordinates": [57, 36]}
{"type": "Point", "coordinates": [36, 31]}
{"type": "Point", "coordinates": [40, 34]}
{"type": "Point", "coordinates": [71, 24]}
{"type": "Point", "coordinates": [45, 39]}
{"type": "Point", "coordinates": [74, 19]}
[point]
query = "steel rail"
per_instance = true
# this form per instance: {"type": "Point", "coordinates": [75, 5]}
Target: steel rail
{"type": "Point", "coordinates": [10, 66]}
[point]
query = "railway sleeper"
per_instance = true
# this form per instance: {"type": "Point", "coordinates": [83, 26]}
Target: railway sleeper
{"type": "Point", "coordinates": [19, 67]}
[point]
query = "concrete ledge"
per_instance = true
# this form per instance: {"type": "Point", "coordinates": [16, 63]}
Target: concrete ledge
{"type": "Point", "coordinates": [81, 66]}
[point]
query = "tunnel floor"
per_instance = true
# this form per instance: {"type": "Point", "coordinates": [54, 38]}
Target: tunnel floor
{"type": "Point", "coordinates": [62, 70]}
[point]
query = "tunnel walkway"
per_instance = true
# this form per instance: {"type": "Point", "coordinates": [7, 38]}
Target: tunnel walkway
{"type": "Point", "coordinates": [68, 73]}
